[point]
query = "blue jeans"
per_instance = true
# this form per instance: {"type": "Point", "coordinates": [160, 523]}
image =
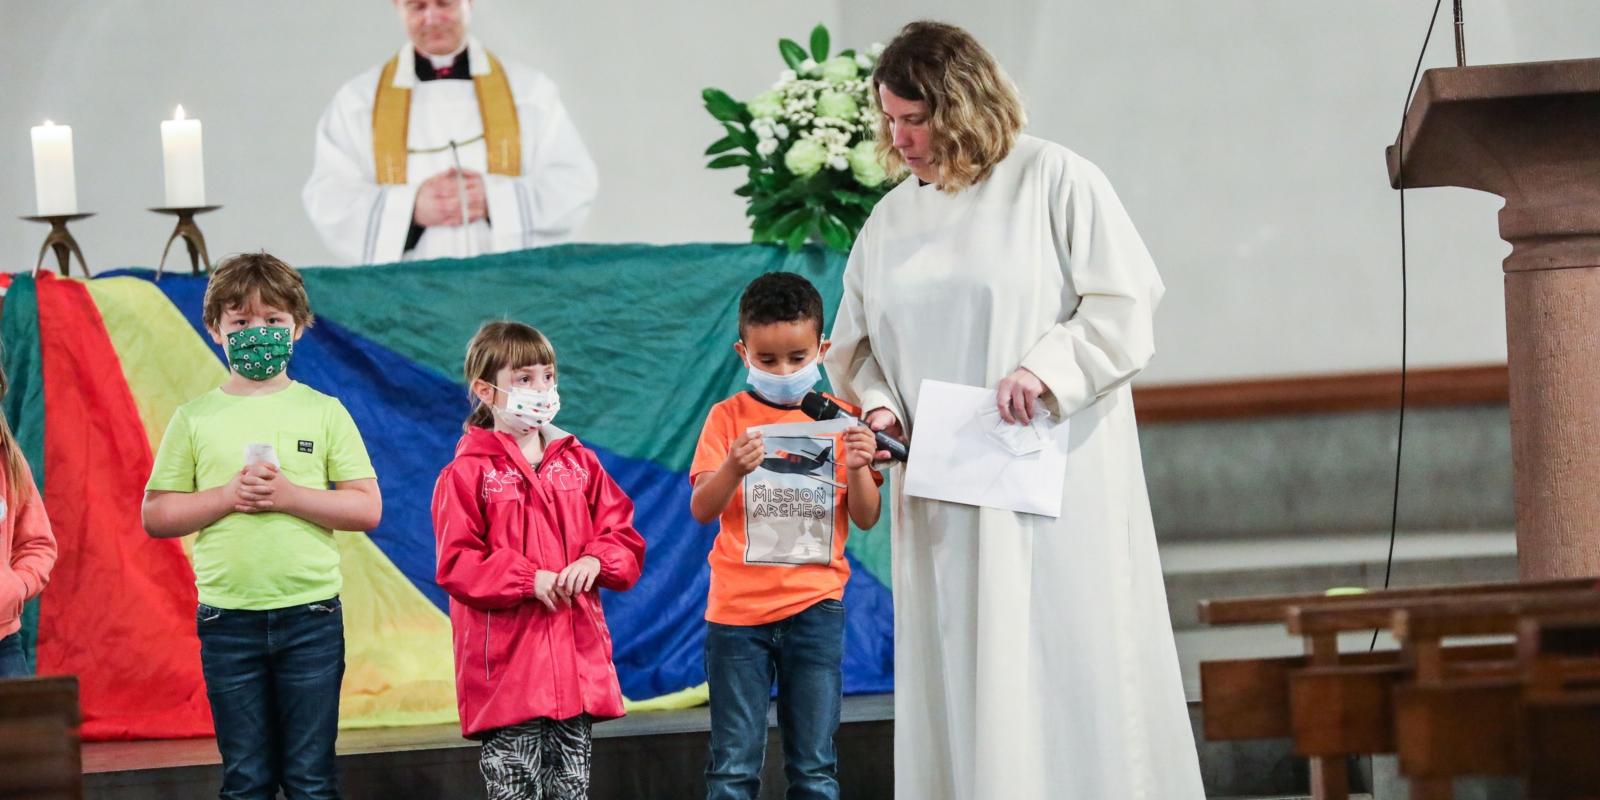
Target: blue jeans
{"type": "Point", "coordinates": [803, 652]}
{"type": "Point", "coordinates": [273, 681]}
{"type": "Point", "coordinates": [13, 664]}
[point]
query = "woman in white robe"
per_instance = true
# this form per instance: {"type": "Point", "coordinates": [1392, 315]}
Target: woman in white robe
{"type": "Point", "coordinates": [1034, 657]}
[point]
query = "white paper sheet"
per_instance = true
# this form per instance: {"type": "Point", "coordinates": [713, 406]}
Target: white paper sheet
{"type": "Point", "coordinates": [955, 456]}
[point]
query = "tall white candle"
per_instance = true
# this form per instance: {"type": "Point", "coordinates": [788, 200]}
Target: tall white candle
{"type": "Point", "coordinates": [185, 167]}
{"type": "Point", "coordinates": [55, 186]}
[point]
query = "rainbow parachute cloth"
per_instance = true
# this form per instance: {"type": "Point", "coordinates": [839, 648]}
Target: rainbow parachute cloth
{"type": "Point", "coordinates": [97, 367]}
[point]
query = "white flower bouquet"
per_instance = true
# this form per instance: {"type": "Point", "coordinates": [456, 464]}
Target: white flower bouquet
{"type": "Point", "coordinates": [808, 144]}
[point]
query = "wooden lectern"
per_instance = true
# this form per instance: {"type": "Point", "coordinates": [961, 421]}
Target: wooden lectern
{"type": "Point", "coordinates": [1530, 133]}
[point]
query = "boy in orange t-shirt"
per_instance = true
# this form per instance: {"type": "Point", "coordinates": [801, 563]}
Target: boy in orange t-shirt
{"type": "Point", "coordinates": [778, 567]}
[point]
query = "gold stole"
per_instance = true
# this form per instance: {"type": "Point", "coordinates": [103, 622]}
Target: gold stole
{"type": "Point", "coordinates": [391, 114]}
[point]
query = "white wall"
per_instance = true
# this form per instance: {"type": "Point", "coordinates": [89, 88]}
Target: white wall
{"type": "Point", "coordinates": [259, 75]}
{"type": "Point", "coordinates": [1245, 136]}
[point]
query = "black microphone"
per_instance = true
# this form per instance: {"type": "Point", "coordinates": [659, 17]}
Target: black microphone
{"type": "Point", "coordinates": [818, 407]}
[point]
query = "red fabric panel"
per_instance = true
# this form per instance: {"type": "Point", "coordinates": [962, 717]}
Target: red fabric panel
{"type": "Point", "coordinates": [119, 610]}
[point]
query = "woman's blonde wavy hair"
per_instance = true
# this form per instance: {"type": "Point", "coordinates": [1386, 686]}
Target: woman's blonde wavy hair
{"type": "Point", "coordinates": [974, 112]}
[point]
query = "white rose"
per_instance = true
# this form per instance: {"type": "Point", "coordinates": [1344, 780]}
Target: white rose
{"type": "Point", "coordinates": [808, 66]}
{"type": "Point", "coordinates": [876, 49]}
{"type": "Point", "coordinates": [839, 163]}
{"type": "Point", "coordinates": [767, 147]}
{"type": "Point", "coordinates": [787, 76]}
{"type": "Point", "coordinates": [863, 62]}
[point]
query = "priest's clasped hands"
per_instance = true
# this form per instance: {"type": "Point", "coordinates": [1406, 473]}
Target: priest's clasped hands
{"type": "Point", "coordinates": [439, 199]}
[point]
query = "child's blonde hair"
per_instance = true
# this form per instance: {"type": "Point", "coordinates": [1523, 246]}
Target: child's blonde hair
{"type": "Point", "coordinates": [498, 345]}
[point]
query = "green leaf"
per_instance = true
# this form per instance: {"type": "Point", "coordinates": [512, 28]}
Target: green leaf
{"type": "Point", "coordinates": [846, 196]}
{"type": "Point", "coordinates": [797, 219]}
{"type": "Point", "coordinates": [745, 191]}
{"type": "Point", "coordinates": [792, 53]}
{"type": "Point", "coordinates": [724, 107]}
{"type": "Point", "coordinates": [852, 217]}
{"type": "Point", "coordinates": [745, 138]}
{"type": "Point", "coordinates": [797, 237]}
{"type": "Point", "coordinates": [722, 145]}
{"type": "Point", "coordinates": [772, 201]}
{"type": "Point", "coordinates": [724, 162]}
{"type": "Point", "coordinates": [835, 233]}
{"type": "Point", "coordinates": [848, 53]}
{"type": "Point", "coordinates": [819, 43]}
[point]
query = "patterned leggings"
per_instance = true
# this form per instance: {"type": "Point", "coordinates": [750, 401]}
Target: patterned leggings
{"type": "Point", "coordinates": [541, 759]}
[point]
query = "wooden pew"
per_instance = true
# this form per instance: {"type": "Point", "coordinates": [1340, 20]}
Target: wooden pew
{"type": "Point", "coordinates": [1560, 714]}
{"type": "Point", "coordinates": [1448, 721]}
{"type": "Point", "coordinates": [40, 753]}
{"type": "Point", "coordinates": [1251, 698]}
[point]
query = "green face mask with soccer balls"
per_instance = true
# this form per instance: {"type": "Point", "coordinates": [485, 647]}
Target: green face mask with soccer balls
{"type": "Point", "coordinates": [262, 353]}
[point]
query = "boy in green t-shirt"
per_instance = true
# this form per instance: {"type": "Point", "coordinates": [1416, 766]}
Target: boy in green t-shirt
{"type": "Point", "coordinates": [249, 467]}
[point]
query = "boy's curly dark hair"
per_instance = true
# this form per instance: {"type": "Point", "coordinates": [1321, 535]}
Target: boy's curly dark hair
{"type": "Point", "coordinates": [779, 297]}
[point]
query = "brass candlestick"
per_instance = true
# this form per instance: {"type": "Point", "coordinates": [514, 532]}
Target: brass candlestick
{"type": "Point", "coordinates": [189, 232]}
{"type": "Point", "coordinates": [60, 240]}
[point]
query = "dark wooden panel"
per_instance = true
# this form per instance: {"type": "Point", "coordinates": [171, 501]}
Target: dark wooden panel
{"type": "Point", "coordinates": [1250, 698]}
{"type": "Point", "coordinates": [1558, 755]}
{"type": "Point", "coordinates": [1466, 727]}
{"type": "Point", "coordinates": [663, 765]}
{"type": "Point", "coordinates": [1344, 710]}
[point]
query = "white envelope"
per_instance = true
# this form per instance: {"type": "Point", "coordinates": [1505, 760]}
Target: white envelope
{"type": "Point", "coordinates": [955, 458]}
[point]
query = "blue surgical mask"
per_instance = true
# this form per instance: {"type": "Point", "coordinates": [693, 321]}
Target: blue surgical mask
{"type": "Point", "coordinates": [784, 390]}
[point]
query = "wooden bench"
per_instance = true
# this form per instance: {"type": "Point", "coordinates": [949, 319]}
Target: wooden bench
{"type": "Point", "coordinates": [1451, 719]}
{"type": "Point", "coordinates": [1560, 714]}
{"type": "Point", "coordinates": [1333, 706]}
{"type": "Point", "coordinates": [40, 753]}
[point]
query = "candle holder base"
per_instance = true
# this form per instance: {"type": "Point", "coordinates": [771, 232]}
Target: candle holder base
{"type": "Point", "coordinates": [60, 240]}
{"type": "Point", "coordinates": [189, 232]}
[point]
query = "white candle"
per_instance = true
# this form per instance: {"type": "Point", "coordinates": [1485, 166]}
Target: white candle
{"type": "Point", "coordinates": [55, 186]}
{"type": "Point", "coordinates": [185, 167]}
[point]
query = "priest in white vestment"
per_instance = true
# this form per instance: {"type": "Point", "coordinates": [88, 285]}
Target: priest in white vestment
{"type": "Point", "coordinates": [446, 151]}
{"type": "Point", "coordinates": [1034, 656]}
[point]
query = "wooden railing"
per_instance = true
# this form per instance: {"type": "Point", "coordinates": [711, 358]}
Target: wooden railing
{"type": "Point", "coordinates": [1322, 394]}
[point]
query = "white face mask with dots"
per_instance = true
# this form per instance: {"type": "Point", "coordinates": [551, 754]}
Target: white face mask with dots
{"type": "Point", "coordinates": [527, 410]}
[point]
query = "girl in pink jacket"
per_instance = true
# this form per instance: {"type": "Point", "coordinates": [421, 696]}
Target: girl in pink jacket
{"type": "Point", "coordinates": [529, 528]}
{"type": "Point", "coordinates": [27, 546]}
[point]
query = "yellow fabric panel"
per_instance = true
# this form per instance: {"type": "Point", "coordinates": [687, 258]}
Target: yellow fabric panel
{"type": "Point", "coordinates": [164, 362]}
{"type": "Point", "coordinates": [399, 666]}
{"type": "Point", "coordinates": [692, 697]}
{"type": "Point", "coordinates": [391, 116]}
{"type": "Point", "coordinates": [502, 136]}
{"type": "Point", "coordinates": [391, 120]}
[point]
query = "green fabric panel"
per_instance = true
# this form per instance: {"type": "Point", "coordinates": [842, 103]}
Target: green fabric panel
{"type": "Point", "coordinates": [24, 406]}
{"type": "Point", "coordinates": [644, 334]}
{"type": "Point", "coordinates": [871, 546]}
